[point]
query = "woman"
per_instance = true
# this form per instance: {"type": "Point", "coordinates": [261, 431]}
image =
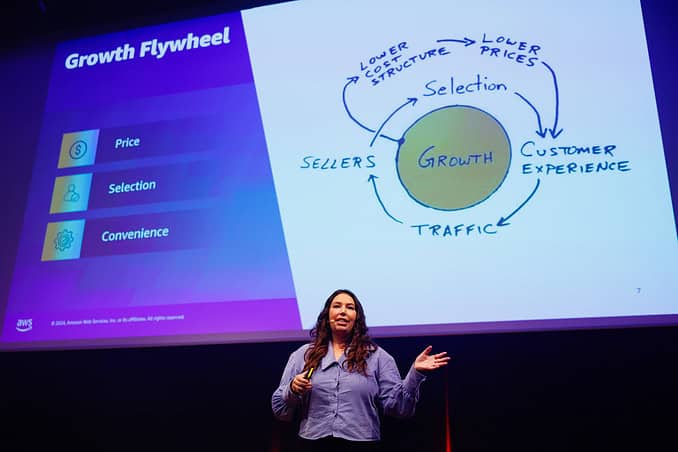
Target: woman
{"type": "Point", "coordinates": [342, 380]}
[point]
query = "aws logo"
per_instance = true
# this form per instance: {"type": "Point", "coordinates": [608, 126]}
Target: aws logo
{"type": "Point", "coordinates": [24, 325]}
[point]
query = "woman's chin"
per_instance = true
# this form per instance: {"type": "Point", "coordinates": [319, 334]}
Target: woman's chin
{"type": "Point", "coordinates": [342, 329]}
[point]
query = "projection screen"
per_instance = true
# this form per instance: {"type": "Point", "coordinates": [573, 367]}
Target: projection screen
{"type": "Point", "coordinates": [461, 166]}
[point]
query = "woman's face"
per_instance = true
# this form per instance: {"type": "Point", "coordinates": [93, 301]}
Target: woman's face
{"type": "Point", "coordinates": [342, 314]}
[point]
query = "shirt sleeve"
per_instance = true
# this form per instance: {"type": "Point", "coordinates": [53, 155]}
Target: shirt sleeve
{"type": "Point", "coordinates": [284, 402]}
{"type": "Point", "coordinates": [397, 397]}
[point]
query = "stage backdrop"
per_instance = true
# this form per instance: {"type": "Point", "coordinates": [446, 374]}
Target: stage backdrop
{"type": "Point", "coordinates": [554, 391]}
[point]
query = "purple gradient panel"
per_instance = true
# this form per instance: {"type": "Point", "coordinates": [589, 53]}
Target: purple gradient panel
{"type": "Point", "coordinates": [244, 154]}
{"type": "Point", "coordinates": [196, 134]}
{"type": "Point", "coordinates": [194, 180]}
{"type": "Point", "coordinates": [208, 318]}
{"type": "Point", "coordinates": [659, 18]}
{"type": "Point", "coordinates": [23, 87]}
{"type": "Point", "coordinates": [187, 70]}
{"type": "Point", "coordinates": [525, 325]}
{"type": "Point", "coordinates": [171, 231]}
{"type": "Point", "coordinates": [246, 258]}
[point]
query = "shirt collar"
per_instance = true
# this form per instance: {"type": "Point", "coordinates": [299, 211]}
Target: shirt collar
{"type": "Point", "coordinates": [328, 359]}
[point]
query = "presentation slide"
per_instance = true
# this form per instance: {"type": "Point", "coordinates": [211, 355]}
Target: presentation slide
{"type": "Point", "coordinates": [216, 179]}
{"type": "Point", "coordinates": [152, 209]}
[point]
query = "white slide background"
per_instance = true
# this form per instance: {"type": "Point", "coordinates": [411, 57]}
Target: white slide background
{"type": "Point", "coordinates": [585, 245]}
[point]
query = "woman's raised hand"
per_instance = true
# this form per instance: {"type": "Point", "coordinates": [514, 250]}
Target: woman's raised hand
{"type": "Point", "coordinates": [426, 362]}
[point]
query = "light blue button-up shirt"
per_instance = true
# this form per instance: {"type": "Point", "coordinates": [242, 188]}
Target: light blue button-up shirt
{"type": "Point", "coordinates": [346, 404]}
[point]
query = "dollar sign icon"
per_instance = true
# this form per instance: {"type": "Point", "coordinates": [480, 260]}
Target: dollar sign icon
{"type": "Point", "coordinates": [78, 150]}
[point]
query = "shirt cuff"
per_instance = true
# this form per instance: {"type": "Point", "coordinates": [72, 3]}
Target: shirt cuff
{"type": "Point", "coordinates": [413, 379]}
{"type": "Point", "coordinates": [290, 397]}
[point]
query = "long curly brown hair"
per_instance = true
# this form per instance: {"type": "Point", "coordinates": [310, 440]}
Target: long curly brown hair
{"type": "Point", "coordinates": [359, 346]}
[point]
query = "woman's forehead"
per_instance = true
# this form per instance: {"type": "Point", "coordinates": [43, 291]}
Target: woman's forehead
{"type": "Point", "coordinates": [343, 298]}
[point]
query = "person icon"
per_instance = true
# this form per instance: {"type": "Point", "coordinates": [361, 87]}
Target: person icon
{"type": "Point", "coordinates": [71, 195]}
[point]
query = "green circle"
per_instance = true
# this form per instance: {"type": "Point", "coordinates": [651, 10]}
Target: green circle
{"type": "Point", "coordinates": [453, 157]}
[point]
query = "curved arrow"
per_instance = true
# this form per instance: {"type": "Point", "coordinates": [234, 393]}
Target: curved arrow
{"type": "Point", "coordinates": [467, 41]}
{"type": "Point", "coordinates": [372, 179]}
{"type": "Point", "coordinates": [410, 100]}
{"type": "Point", "coordinates": [554, 132]}
{"type": "Point", "coordinates": [503, 220]}
{"type": "Point", "coordinates": [541, 132]}
{"type": "Point", "coordinates": [353, 81]}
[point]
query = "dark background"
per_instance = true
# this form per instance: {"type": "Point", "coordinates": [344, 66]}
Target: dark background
{"type": "Point", "coordinates": [549, 391]}
{"type": "Point", "coordinates": [592, 390]}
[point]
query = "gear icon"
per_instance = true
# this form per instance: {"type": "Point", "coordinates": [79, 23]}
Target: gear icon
{"type": "Point", "coordinates": [63, 240]}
